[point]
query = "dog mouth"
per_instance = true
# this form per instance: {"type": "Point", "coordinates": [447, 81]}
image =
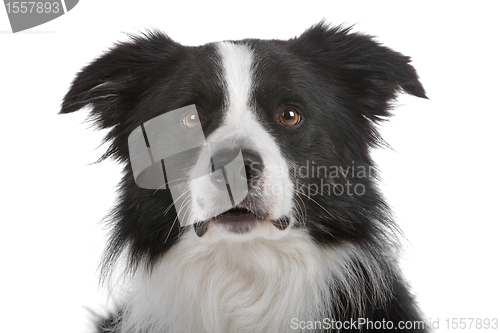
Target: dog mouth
{"type": "Point", "coordinates": [239, 220]}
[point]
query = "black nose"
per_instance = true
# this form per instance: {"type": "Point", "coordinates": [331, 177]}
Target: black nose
{"type": "Point", "coordinates": [253, 165]}
{"type": "Point", "coordinates": [252, 161]}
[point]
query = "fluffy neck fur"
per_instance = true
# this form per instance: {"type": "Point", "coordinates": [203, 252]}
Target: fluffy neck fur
{"type": "Point", "coordinates": [255, 286]}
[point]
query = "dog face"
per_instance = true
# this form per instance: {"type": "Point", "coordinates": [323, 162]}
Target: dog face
{"type": "Point", "coordinates": [286, 108]}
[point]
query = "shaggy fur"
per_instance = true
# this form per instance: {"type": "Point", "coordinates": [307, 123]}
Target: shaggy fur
{"type": "Point", "coordinates": [338, 257]}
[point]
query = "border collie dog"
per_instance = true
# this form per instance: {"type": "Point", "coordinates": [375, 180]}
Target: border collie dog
{"type": "Point", "coordinates": [307, 244]}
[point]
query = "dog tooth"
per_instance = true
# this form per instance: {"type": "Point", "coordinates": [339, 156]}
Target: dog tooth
{"type": "Point", "coordinates": [281, 223]}
{"type": "Point", "coordinates": [201, 228]}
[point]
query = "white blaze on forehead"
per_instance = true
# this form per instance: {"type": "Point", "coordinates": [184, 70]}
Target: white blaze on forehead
{"type": "Point", "coordinates": [237, 62]}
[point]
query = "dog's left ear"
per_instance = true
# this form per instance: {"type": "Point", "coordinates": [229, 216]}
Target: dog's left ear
{"type": "Point", "coordinates": [369, 73]}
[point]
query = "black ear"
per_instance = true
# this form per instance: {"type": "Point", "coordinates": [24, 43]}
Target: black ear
{"type": "Point", "coordinates": [113, 84]}
{"type": "Point", "coordinates": [369, 73]}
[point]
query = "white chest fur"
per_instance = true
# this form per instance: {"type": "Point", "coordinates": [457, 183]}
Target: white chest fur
{"type": "Point", "coordinates": [255, 286]}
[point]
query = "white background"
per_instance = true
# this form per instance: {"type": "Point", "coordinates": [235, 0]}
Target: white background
{"type": "Point", "coordinates": [441, 178]}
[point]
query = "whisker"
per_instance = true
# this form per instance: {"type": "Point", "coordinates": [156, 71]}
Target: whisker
{"type": "Point", "coordinates": [304, 211]}
{"type": "Point", "coordinates": [182, 206]}
{"type": "Point", "coordinates": [317, 203]}
{"type": "Point", "coordinates": [188, 208]}
{"type": "Point", "coordinates": [299, 212]}
{"type": "Point", "coordinates": [173, 223]}
{"type": "Point", "coordinates": [173, 202]}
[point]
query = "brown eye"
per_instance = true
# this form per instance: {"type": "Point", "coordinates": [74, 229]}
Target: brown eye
{"type": "Point", "coordinates": [192, 119]}
{"type": "Point", "coordinates": [289, 117]}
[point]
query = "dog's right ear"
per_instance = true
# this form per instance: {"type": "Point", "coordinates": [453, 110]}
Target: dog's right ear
{"type": "Point", "coordinates": [113, 84]}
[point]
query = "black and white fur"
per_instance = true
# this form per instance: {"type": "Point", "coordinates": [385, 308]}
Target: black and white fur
{"type": "Point", "coordinates": [336, 258]}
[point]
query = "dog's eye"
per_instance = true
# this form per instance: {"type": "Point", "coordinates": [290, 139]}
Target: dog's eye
{"type": "Point", "coordinates": [289, 117]}
{"type": "Point", "coordinates": [192, 119]}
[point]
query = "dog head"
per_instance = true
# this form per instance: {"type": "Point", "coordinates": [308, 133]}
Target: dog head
{"type": "Point", "coordinates": [294, 120]}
